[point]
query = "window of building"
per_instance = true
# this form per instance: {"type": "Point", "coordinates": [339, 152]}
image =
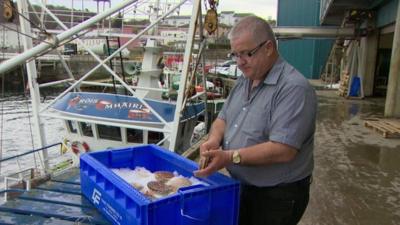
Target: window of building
{"type": "Point", "coordinates": [134, 135]}
{"type": "Point", "coordinates": [155, 137]}
{"type": "Point", "coordinates": [109, 132]}
{"type": "Point", "coordinates": [86, 129]}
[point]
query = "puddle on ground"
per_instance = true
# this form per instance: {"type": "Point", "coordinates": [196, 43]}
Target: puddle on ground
{"type": "Point", "coordinates": [356, 176]}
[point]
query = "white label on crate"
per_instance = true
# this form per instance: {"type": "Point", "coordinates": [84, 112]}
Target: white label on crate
{"type": "Point", "coordinates": [96, 196]}
{"type": "Point", "coordinates": [109, 210]}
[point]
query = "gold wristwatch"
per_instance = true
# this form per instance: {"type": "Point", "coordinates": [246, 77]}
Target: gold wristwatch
{"type": "Point", "coordinates": [236, 157]}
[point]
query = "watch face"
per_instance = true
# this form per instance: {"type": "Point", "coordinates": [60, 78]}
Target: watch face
{"type": "Point", "coordinates": [236, 157]}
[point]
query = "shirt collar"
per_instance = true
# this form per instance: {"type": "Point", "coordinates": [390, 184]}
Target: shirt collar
{"type": "Point", "coordinates": [275, 72]}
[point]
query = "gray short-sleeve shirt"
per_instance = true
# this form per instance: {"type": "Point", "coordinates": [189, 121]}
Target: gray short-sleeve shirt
{"type": "Point", "coordinates": [281, 109]}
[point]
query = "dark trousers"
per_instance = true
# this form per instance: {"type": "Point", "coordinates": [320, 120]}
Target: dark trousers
{"type": "Point", "coordinates": [279, 205]}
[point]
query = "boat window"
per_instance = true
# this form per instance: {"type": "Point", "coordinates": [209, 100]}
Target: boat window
{"type": "Point", "coordinates": [219, 106]}
{"type": "Point", "coordinates": [72, 127]}
{"type": "Point", "coordinates": [155, 137]}
{"type": "Point", "coordinates": [109, 132]}
{"type": "Point", "coordinates": [134, 135]}
{"type": "Point", "coordinates": [86, 129]}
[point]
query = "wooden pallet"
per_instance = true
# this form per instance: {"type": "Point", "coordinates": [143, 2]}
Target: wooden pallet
{"type": "Point", "coordinates": [387, 127]}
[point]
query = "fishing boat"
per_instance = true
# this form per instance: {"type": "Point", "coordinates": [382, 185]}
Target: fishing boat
{"type": "Point", "coordinates": [125, 114]}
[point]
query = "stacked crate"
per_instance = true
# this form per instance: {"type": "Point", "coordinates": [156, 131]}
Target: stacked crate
{"type": "Point", "coordinates": [344, 84]}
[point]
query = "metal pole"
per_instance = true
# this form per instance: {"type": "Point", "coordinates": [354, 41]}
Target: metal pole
{"type": "Point", "coordinates": [185, 72]}
{"type": "Point", "coordinates": [41, 48]}
{"type": "Point", "coordinates": [69, 72]}
{"type": "Point", "coordinates": [72, 14]}
{"type": "Point", "coordinates": [204, 79]}
{"type": "Point", "coordinates": [313, 32]}
{"type": "Point", "coordinates": [392, 105]}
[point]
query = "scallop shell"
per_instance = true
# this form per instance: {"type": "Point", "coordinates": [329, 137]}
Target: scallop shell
{"type": "Point", "coordinates": [178, 182]}
{"type": "Point", "coordinates": [163, 175]}
{"type": "Point", "coordinates": [149, 194]}
{"type": "Point", "coordinates": [159, 187]}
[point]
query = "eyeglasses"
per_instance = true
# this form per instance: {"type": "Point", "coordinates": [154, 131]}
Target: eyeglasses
{"type": "Point", "coordinates": [246, 54]}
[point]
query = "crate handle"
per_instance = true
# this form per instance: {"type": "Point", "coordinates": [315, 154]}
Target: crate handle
{"type": "Point", "coordinates": [184, 214]}
{"type": "Point", "coordinates": [182, 190]}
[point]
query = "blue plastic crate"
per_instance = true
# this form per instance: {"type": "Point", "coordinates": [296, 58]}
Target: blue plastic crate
{"type": "Point", "coordinates": [216, 204]}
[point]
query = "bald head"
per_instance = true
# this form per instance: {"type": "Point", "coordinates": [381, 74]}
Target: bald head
{"type": "Point", "coordinates": [258, 28]}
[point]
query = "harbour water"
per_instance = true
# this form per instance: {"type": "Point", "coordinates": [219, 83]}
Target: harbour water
{"type": "Point", "coordinates": [17, 134]}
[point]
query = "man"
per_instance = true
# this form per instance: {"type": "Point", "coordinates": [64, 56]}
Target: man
{"type": "Point", "coordinates": [265, 132]}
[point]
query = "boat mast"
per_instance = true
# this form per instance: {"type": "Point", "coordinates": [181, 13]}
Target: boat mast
{"type": "Point", "coordinates": [32, 77]}
{"type": "Point", "coordinates": [185, 72]}
{"type": "Point", "coordinates": [149, 75]}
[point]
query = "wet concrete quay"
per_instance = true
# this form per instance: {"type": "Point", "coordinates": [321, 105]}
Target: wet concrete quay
{"type": "Point", "coordinates": [357, 171]}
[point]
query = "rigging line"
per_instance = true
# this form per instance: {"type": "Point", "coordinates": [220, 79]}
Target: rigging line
{"type": "Point", "coordinates": [23, 69]}
{"type": "Point", "coordinates": [29, 116]}
{"type": "Point", "coordinates": [27, 19]}
{"type": "Point", "coordinates": [55, 46]}
{"type": "Point", "coordinates": [16, 30]}
{"type": "Point", "coordinates": [2, 118]}
{"type": "Point", "coordinates": [22, 72]}
{"type": "Point", "coordinates": [35, 13]}
{"type": "Point", "coordinates": [2, 101]}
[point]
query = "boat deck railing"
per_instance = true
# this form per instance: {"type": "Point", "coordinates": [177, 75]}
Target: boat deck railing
{"type": "Point", "coordinates": [45, 197]}
{"type": "Point", "coordinates": [27, 170]}
{"type": "Point", "coordinates": [56, 201]}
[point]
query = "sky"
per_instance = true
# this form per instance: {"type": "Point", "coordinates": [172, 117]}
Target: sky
{"type": "Point", "coordinates": [263, 8]}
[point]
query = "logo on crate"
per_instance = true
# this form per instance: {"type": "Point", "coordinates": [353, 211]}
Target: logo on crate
{"type": "Point", "coordinates": [96, 196]}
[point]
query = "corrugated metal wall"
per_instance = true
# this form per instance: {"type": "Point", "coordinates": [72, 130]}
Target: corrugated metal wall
{"type": "Point", "coordinates": [299, 53]}
{"type": "Point", "coordinates": [307, 56]}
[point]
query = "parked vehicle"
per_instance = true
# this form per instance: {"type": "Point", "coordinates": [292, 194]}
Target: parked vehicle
{"type": "Point", "coordinates": [227, 68]}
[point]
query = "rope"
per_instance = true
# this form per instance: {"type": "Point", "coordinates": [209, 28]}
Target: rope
{"type": "Point", "coordinates": [2, 102]}
{"type": "Point", "coordinates": [55, 44]}
{"type": "Point", "coordinates": [29, 152]}
{"type": "Point", "coordinates": [19, 32]}
{"type": "Point", "coordinates": [2, 119]}
{"type": "Point", "coordinates": [23, 69]}
{"type": "Point", "coordinates": [27, 19]}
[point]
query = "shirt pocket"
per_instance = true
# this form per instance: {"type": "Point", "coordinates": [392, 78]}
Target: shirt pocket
{"type": "Point", "coordinates": [256, 124]}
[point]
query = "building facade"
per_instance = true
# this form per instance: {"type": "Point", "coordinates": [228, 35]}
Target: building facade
{"type": "Point", "coordinates": [10, 40]}
{"type": "Point", "coordinates": [306, 55]}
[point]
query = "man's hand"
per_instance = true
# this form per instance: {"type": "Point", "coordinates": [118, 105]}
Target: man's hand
{"type": "Point", "coordinates": [218, 159]}
{"type": "Point", "coordinates": [208, 145]}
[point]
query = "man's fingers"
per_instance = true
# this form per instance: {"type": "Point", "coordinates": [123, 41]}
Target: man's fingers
{"type": "Point", "coordinates": [199, 173]}
{"type": "Point", "coordinates": [209, 153]}
{"type": "Point", "coordinates": [203, 162]}
{"type": "Point", "coordinates": [203, 172]}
